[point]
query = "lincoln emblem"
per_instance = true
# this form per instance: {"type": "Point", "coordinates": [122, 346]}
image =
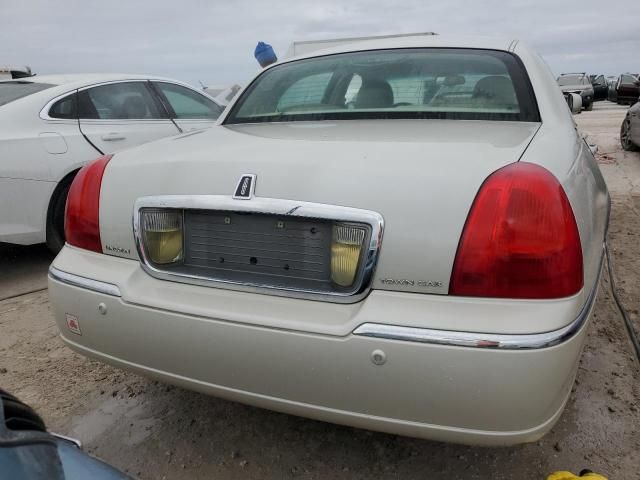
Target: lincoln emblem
{"type": "Point", "coordinates": [246, 187]}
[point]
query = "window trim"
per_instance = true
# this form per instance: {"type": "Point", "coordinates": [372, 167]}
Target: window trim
{"type": "Point", "coordinates": [74, 96]}
{"type": "Point", "coordinates": [527, 89]}
{"type": "Point", "coordinates": [151, 92]}
{"type": "Point", "coordinates": [44, 113]}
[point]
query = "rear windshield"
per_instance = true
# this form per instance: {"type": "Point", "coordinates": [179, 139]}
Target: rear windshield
{"type": "Point", "coordinates": [383, 84]}
{"type": "Point", "coordinates": [10, 91]}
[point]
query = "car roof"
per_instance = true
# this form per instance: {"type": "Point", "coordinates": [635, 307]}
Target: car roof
{"type": "Point", "coordinates": [76, 80]}
{"type": "Point", "coordinates": [417, 41]}
{"type": "Point", "coordinates": [65, 83]}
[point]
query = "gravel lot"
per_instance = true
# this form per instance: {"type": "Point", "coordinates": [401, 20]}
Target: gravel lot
{"type": "Point", "coordinates": [154, 431]}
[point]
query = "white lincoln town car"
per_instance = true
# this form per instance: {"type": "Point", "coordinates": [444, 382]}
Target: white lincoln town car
{"type": "Point", "coordinates": [403, 235]}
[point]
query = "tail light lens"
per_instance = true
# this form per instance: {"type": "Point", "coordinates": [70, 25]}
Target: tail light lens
{"type": "Point", "coordinates": [520, 239]}
{"type": "Point", "coordinates": [346, 247]}
{"type": "Point", "coordinates": [82, 214]}
{"type": "Point", "coordinates": [162, 235]}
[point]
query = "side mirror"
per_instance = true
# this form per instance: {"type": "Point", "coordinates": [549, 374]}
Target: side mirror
{"type": "Point", "coordinates": [574, 101]}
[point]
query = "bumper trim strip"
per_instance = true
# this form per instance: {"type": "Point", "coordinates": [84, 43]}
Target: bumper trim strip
{"type": "Point", "coordinates": [482, 340]}
{"type": "Point", "coordinates": [84, 282]}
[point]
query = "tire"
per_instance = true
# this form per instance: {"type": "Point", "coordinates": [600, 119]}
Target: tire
{"type": "Point", "coordinates": [55, 215]}
{"type": "Point", "coordinates": [589, 107]}
{"type": "Point", "coordinates": [625, 136]}
{"type": "Point", "coordinates": [18, 415]}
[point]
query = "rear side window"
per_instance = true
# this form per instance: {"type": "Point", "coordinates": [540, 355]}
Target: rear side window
{"type": "Point", "coordinates": [188, 104]}
{"type": "Point", "coordinates": [384, 84]}
{"type": "Point", "coordinates": [64, 108]}
{"type": "Point", "coordinates": [11, 91]}
{"type": "Point", "coordinates": [119, 101]}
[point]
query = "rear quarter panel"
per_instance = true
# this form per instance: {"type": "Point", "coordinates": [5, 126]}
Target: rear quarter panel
{"type": "Point", "coordinates": [559, 148]}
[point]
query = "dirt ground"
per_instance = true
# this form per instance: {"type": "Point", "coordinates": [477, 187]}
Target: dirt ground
{"type": "Point", "coordinates": [155, 431]}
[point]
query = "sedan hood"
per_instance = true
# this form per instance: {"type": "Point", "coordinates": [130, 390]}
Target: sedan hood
{"type": "Point", "coordinates": [420, 175]}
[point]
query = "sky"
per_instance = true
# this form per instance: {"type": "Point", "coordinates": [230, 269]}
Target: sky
{"type": "Point", "coordinates": [213, 42]}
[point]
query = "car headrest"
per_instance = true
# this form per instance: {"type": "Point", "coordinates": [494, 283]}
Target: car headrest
{"type": "Point", "coordinates": [495, 88]}
{"type": "Point", "coordinates": [374, 94]}
{"type": "Point", "coordinates": [133, 106]}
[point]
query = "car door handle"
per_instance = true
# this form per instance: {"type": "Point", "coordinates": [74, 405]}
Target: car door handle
{"type": "Point", "coordinates": [113, 137]}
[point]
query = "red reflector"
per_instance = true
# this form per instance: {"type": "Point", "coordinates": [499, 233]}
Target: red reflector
{"type": "Point", "coordinates": [520, 239]}
{"type": "Point", "coordinates": [82, 214]}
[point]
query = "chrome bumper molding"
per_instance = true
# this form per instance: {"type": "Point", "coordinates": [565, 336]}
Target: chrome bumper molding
{"type": "Point", "coordinates": [84, 282]}
{"type": "Point", "coordinates": [482, 340]}
{"type": "Point", "coordinates": [412, 334]}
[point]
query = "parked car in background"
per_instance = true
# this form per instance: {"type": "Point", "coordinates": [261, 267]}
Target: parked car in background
{"type": "Point", "coordinates": [630, 129]}
{"type": "Point", "coordinates": [222, 94]}
{"type": "Point", "coordinates": [600, 87]}
{"type": "Point", "coordinates": [401, 234]}
{"type": "Point", "coordinates": [628, 88]}
{"type": "Point", "coordinates": [578, 83]}
{"type": "Point", "coordinates": [50, 126]}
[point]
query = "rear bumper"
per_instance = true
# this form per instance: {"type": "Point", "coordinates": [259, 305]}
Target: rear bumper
{"type": "Point", "coordinates": [490, 396]}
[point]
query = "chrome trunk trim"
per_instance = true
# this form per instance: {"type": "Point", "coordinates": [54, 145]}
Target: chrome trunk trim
{"type": "Point", "coordinates": [270, 206]}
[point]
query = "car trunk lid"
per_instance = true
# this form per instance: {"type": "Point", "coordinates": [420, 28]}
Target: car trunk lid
{"type": "Point", "coordinates": [421, 176]}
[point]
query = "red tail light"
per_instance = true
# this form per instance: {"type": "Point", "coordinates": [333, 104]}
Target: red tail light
{"type": "Point", "coordinates": [520, 239]}
{"type": "Point", "coordinates": [82, 221]}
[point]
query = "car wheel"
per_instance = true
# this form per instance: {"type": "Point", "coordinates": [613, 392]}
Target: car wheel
{"type": "Point", "coordinates": [625, 136]}
{"type": "Point", "coordinates": [55, 217]}
{"type": "Point", "coordinates": [589, 107]}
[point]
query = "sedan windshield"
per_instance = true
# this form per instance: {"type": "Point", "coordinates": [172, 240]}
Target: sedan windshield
{"type": "Point", "coordinates": [381, 84]}
{"type": "Point", "coordinates": [10, 91]}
